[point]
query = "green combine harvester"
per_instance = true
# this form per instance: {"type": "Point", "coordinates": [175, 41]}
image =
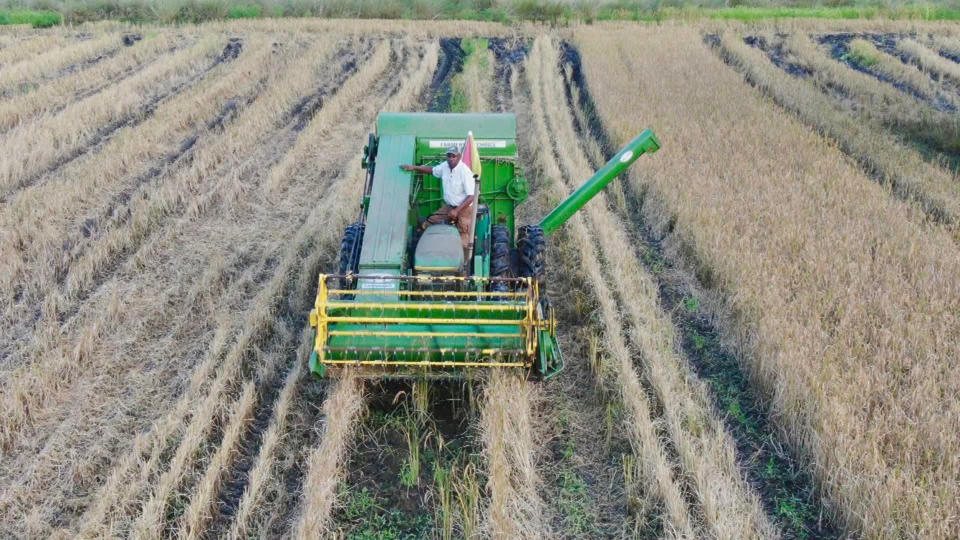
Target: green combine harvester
{"type": "Point", "coordinates": [408, 305]}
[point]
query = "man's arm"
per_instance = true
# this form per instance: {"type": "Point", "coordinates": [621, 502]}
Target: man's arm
{"type": "Point", "coordinates": [466, 202]}
{"type": "Point", "coordinates": [417, 168]}
{"type": "Point", "coordinates": [468, 187]}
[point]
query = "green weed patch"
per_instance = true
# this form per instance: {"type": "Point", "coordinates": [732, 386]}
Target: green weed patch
{"type": "Point", "coordinates": [36, 19]}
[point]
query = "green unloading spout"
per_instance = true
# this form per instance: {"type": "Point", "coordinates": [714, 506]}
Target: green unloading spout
{"type": "Point", "coordinates": [644, 143]}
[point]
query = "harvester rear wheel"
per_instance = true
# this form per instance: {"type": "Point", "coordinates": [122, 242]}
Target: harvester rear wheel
{"type": "Point", "coordinates": [350, 253]}
{"type": "Point", "coordinates": [532, 248]}
{"type": "Point", "coordinates": [499, 255]}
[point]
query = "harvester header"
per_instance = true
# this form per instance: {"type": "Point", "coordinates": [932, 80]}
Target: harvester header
{"type": "Point", "coordinates": [419, 301]}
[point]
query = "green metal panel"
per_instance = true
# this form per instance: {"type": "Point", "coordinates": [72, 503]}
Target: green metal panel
{"type": "Point", "coordinates": [502, 188]}
{"type": "Point", "coordinates": [435, 147]}
{"type": "Point", "coordinates": [483, 125]}
{"type": "Point", "coordinates": [481, 247]}
{"type": "Point", "coordinates": [385, 238]}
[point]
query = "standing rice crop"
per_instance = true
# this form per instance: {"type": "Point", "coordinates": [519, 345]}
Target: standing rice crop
{"type": "Point", "coordinates": [840, 300]}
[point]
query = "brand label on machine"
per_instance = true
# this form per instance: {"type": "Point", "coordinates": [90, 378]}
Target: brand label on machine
{"type": "Point", "coordinates": [376, 282]}
{"type": "Point", "coordinates": [488, 143]}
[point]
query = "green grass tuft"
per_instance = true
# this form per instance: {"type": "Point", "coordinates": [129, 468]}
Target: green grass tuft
{"type": "Point", "coordinates": [245, 12]}
{"type": "Point", "coordinates": [36, 19]}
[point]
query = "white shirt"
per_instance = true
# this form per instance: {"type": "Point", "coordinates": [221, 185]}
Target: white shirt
{"type": "Point", "coordinates": [457, 184]}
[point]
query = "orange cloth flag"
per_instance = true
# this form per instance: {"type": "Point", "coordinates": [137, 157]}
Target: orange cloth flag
{"type": "Point", "coordinates": [471, 158]}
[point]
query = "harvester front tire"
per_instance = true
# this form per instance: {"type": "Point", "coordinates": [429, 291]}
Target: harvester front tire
{"type": "Point", "coordinates": [499, 256]}
{"type": "Point", "coordinates": [350, 253]}
{"type": "Point", "coordinates": [532, 251]}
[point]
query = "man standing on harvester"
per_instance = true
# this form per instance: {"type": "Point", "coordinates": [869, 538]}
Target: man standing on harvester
{"type": "Point", "coordinates": [458, 194]}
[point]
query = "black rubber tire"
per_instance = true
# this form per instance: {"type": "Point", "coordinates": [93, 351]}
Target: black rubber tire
{"type": "Point", "coordinates": [350, 253]}
{"type": "Point", "coordinates": [532, 251]}
{"type": "Point", "coordinates": [499, 256]}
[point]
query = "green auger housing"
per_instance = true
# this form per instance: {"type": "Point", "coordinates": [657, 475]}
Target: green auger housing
{"type": "Point", "coordinates": [404, 305]}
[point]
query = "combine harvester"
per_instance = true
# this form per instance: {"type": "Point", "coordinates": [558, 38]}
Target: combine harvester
{"type": "Point", "coordinates": [409, 305]}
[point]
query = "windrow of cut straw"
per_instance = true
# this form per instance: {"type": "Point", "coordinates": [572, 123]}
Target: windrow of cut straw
{"type": "Point", "coordinates": [842, 305]}
{"type": "Point", "coordinates": [60, 93]}
{"type": "Point", "coordinates": [928, 60]}
{"type": "Point", "coordinates": [29, 74]}
{"type": "Point", "coordinates": [906, 172]}
{"type": "Point", "coordinates": [706, 452]}
{"type": "Point", "coordinates": [326, 460]}
{"type": "Point", "coordinates": [36, 378]}
{"type": "Point", "coordinates": [299, 82]}
{"type": "Point", "coordinates": [26, 49]}
{"type": "Point", "coordinates": [516, 509]}
{"type": "Point", "coordinates": [37, 146]}
{"type": "Point", "coordinates": [639, 424]}
{"type": "Point", "coordinates": [154, 316]}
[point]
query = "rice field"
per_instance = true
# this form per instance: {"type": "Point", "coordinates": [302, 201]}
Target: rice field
{"type": "Point", "coordinates": [760, 321]}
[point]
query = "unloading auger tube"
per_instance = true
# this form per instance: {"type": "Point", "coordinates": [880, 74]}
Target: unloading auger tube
{"type": "Point", "coordinates": [404, 305]}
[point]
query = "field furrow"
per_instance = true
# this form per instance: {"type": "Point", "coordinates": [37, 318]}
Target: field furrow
{"type": "Point", "coordinates": [54, 96]}
{"type": "Point", "coordinates": [649, 453]}
{"type": "Point", "coordinates": [785, 245]}
{"type": "Point", "coordinates": [705, 450]}
{"type": "Point", "coordinates": [908, 175]}
{"type": "Point", "coordinates": [87, 236]}
{"type": "Point", "coordinates": [27, 76]}
{"type": "Point", "coordinates": [39, 147]}
{"type": "Point", "coordinates": [262, 472]}
{"type": "Point", "coordinates": [12, 58]}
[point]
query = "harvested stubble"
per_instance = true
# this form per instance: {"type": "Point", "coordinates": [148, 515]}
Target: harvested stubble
{"type": "Point", "coordinates": [298, 80]}
{"type": "Point", "coordinates": [332, 204]}
{"type": "Point", "coordinates": [324, 466]}
{"type": "Point", "coordinates": [842, 305]}
{"type": "Point", "coordinates": [26, 49]}
{"type": "Point", "coordinates": [516, 510]}
{"type": "Point", "coordinates": [26, 75]}
{"type": "Point", "coordinates": [644, 438]}
{"type": "Point", "coordinates": [706, 451]}
{"type": "Point", "coordinates": [58, 210]}
{"type": "Point", "coordinates": [37, 146]}
{"type": "Point", "coordinates": [947, 44]}
{"type": "Point", "coordinates": [200, 295]}
{"type": "Point", "coordinates": [892, 67]}
{"type": "Point", "coordinates": [903, 169]}
{"type": "Point", "coordinates": [55, 95]}
{"type": "Point", "coordinates": [928, 60]}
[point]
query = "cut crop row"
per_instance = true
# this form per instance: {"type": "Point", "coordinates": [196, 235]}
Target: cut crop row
{"type": "Point", "coordinates": [38, 147]}
{"type": "Point", "coordinates": [56, 95]}
{"type": "Point", "coordinates": [903, 169]}
{"type": "Point", "coordinates": [57, 215]}
{"type": "Point", "coordinates": [27, 76]}
{"type": "Point", "coordinates": [835, 295]}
